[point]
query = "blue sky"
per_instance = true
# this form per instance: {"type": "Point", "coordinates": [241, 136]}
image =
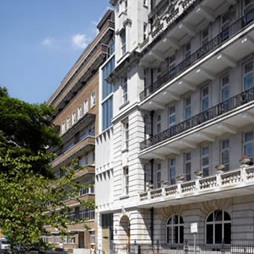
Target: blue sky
{"type": "Point", "coordinates": [40, 40]}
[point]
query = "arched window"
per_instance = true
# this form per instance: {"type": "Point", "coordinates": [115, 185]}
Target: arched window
{"type": "Point", "coordinates": [218, 228]}
{"type": "Point", "coordinates": [175, 230]}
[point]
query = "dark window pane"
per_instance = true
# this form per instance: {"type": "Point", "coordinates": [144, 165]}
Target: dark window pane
{"type": "Point", "coordinates": [227, 233]}
{"type": "Point", "coordinates": [218, 215]}
{"type": "Point", "coordinates": [218, 233]}
{"type": "Point", "coordinates": [176, 234]}
{"type": "Point", "coordinates": [209, 234]}
{"type": "Point", "coordinates": [226, 216]}
{"type": "Point", "coordinates": [210, 217]}
{"type": "Point", "coordinates": [181, 234]}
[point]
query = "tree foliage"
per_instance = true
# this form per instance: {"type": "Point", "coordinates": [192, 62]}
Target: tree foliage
{"type": "Point", "coordinates": [30, 197]}
{"type": "Point", "coordinates": [26, 130]}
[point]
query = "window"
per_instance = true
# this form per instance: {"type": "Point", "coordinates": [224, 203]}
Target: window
{"type": "Point", "coordinates": [175, 230]}
{"type": "Point", "coordinates": [204, 98]}
{"type": "Point", "coordinates": [172, 63]}
{"type": "Point", "coordinates": [204, 37]}
{"type": "Point", "coordinates": [79, 112]}
{"type": "Point", "coordinates": [248, 75]}
{"type": "Point", "coordinates": [218, 228]}
{"type": "Point", "coordinates": [225, 21]}
{"type": "Point", "coordinates": [107, 111]}
{"type": "Point", "coordinates": [224, 90]}
{"type": "Point", "coordinates": [205, 160]}
{"type": "Point", "coordinates": [107, 95]}
{"type": "Point", "coordinates": [63, 127]}
{"type": "Point", "coordinates": [93, 99]}
{"type": "Point", "coordinates": [125, 126]}
{"type": "Point", "coordinates": [125, 180]}
{"type": "Point", "coordinates": [248, 138]}
{"type": "Point", "coordinates": [225, 153]}
{"type": "Point", "coordinates": [92, 236]}
{"type": "Point", "coordinates": [187, 166]}
{"type": "Point", "coordinates": [172, 171]}
{"type": "Point", "coordinates": [85, 106]}
{"type": "Point", "coordinates": [124, 90]}
{"type": "Point", "coordinates": [248, 11]}
{"type": "Point", "coordinates": [123, 41]}
{"type": "Point", "coordinates": [187, 107]}
{"type": "Point", "coordinates": [187, 50]}
{"type": "Point", "coordinates": [68, 123]}
{"type": "Point", "coordinates": [158, 175]}
{"type": "Point", "coordinates": [125, 4]}
{"type": "Point", "coordinates": [171, 116]}
{"type": "Point", "coordinates": [73, 117]}
{"type": "Point", "coordinates": [145, 3]}
{"type": "Point", "coordinates": [158, 124]}
{"type": "Point", "coordinates": [145, 28]}
{"type": "Point", "coordinates": [111, 47]}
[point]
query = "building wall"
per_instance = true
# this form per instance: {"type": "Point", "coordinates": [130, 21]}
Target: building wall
{"type": "Point", "coordinates": [133, 166]}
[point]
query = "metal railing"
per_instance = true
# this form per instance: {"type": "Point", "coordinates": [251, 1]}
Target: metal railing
{"type": "Point", "coordinates": [200, 118]}
{"type": "Point", "coordinates": [197, 55]}
{"type": "Point", "coordinates": [162, 248]}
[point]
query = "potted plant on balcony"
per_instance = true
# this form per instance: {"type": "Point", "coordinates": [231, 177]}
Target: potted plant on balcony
{"type": "Point", "coordinates": [198, 174]}
{"type": "Point", "coordinates": [245, 160]}
{"type": "Point", "coordinates": [220, 168]}
{"type": "Point", "coordinates": [180, 178]}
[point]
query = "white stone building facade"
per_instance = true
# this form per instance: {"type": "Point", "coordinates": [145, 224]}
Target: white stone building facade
{"type": "Point", "coordinates": [182, 120]}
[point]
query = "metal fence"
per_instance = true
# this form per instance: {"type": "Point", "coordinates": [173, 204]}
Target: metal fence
{"type": "Point", "coordinates": [187, 249]}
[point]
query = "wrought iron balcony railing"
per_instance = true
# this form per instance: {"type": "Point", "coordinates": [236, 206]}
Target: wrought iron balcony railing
{"type": "Point", "coordinates": [200, 118]}
{"type": "Point", "coordinates": [197, 55]}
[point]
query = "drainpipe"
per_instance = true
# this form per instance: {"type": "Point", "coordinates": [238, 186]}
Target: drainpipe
{"type": "Point", "coordinates": [152, 225]}
{"type": "Point", "coordinates": [152, 165]}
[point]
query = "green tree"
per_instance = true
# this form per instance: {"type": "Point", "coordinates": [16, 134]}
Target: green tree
{"type": "Point", "coordinates": [30, 197]}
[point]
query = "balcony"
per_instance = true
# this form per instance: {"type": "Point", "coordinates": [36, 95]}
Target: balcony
{"type": "Point", "coordinates": [202, 119]}
{"type": "Point", "coordinates": [228, 184]}
{"type": "Point", "coordinates": [83, 146]}
{"type": "Point", "coordinates": [201, 53]}
{"type": "Point", "coordinates": [85, 171]}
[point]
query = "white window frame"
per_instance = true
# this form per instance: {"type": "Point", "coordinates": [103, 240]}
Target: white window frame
{"type": "Point", "coordinates": [93, 99]}
{"type": "Point", "coordinates": [187, 165]}
{"type": "Point", "coordinates": [126, 180]}
{"type": "Point", "coordinates": [225, 153]}
{"type": "Point", "coordinates": [79, 112]}
{"type": "Point", "coordinates": [204, 97]}
{"type": "Point", "coordinates": [145, 32]}
{"type": "Point", "coordinates": [224, 87]}
{"type": "Point", "coordinates": [205, 159]}
{"type": "Point", "coordinates": [86, 106]}
{"type": "Point", "coordinates": [73, 118]}
{"type": "Point", "coordinates": [63, 127]}
{"type": "Point", "coordinates": [158, 123]}
{"type": "Point", "coordinates": [124, 87]}
{"type": "Point", "coordinates": [68, 123]}
{"type": "Point", "coordinates": [123, 41]}
{"type": "Point", "coordinates": [158, 175]}
{"type": "Point", "coordinates": [248, 72]}
{"type": "Point", "coordinates": [172, 171]}
{"type": "Point", "coordinates": [248, 143]}
{"type": "Point", "coordinates": [175, 225]}
{"type": "Point", "coordinates": [217, 221]}
{"type": "Point", "coordinates": [187, 107]}
{"type": "Point", "coordinates": [171, 115]}
{"type": "Point", "coordinates": [125, 133]}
